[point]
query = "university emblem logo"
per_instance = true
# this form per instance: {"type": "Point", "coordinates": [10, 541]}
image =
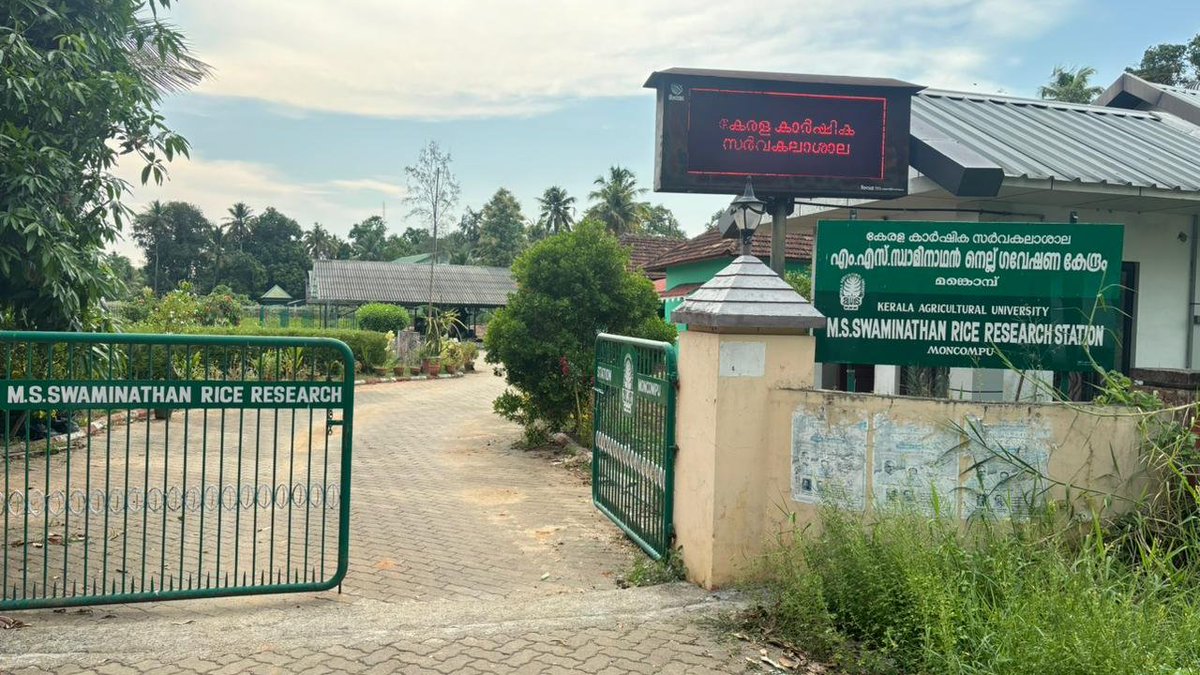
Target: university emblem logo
{"type": "Point", "coordinates": [851, 292]}
{"type": "Point", "coordinates": [627, 385]}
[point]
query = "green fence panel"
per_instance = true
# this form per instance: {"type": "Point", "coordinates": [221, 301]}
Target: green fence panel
{"type": "Point", "coordinates": [159, 467]}
{"type": "Point", "coordinates": [633, 455]}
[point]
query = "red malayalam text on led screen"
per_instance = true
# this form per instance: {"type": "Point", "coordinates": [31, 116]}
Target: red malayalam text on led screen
{"type": "Point", "coordinates": [753, 133]}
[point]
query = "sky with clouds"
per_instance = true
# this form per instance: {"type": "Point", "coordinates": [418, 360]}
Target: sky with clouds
{"type": "Point", "coordinates": [315, 106]}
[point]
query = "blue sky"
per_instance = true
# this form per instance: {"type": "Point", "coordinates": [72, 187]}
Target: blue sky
{"type": "Point", "coordinates": [317, 106]}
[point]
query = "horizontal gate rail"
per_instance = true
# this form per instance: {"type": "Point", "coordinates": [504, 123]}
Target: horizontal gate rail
{"type": "Point", "coordinates": [633, 455]}
{"type": "Point", "coordinates": [159, 467]}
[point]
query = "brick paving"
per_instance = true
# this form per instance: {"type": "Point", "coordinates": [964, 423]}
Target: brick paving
{"type": "Point", "coordinates": [466, 556]}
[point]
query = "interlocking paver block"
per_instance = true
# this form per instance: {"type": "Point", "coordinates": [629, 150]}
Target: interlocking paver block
{"type": "Point", "coordinates": [447, 520]}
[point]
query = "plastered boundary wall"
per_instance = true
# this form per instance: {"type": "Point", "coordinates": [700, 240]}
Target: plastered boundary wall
{"type": "Point", "coordinates": [743, 437]}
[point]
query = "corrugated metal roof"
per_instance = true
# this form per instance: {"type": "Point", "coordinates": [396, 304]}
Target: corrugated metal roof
{"type": "Point", "coordinates": [361, 281]}
{"type": "Point", "coordinates": [1030, 138]}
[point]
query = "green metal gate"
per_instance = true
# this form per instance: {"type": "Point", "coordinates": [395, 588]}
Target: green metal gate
{"type": "Point", "coordinates": [633, 456]}
{"type": "Point", "coordinates": [159, 467]}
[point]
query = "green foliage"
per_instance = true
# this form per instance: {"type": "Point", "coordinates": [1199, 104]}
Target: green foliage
{"type": "Point", "coordinates": [557, 211]}
{"type": "Point", "coordinates": [276, 241]}
{"type": "Point", "coordinates": [81, 87]}
{"type": "Point", "coordinates": [802, 282]}
{"type": "Point", "coordinates": [1171, 64]}
{"type": "Point", "coordinates": [1071, 85]}
{"type": "Point", "coordinates": [176, 241]}
{"type": "Point", "coordinates": [647, 572]}
{"type": "Point", "coordinates": [905, 592]}
{"type": "Point", "coordinates": [501, 230]}
{"type": "Point", "coordinates": [370, 348]}
{"type": "Point", "coordinates": [570, 288]}
{"type": "Point", "coordinates": [617, 203]}
{"type": "Point", "coordinates": [369, 240]}
{"type": "Point", "coordinates": [911, 594]}
{"type": "Point", "coordinates": [383, 318]}
{"type": "Point", "coordinates": [658, 221]}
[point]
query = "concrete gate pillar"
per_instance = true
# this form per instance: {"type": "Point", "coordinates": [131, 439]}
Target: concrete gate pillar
{"type": "Point", "coordinates": [749, 333]}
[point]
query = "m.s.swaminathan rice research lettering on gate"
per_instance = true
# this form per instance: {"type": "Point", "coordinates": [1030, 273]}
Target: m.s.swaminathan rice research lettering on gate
{"type": "Point", "coordinates": [32, 395]}
{"type": "Point", "coordinates": [975, 295]}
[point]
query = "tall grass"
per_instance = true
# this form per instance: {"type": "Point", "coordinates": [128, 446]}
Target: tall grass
{"type": "Point", "coordinates": [904, 592]}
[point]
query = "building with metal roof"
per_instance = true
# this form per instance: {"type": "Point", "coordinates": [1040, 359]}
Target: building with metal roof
{"type": "Point", "coordinates": [1134, 93]}
{"type": "Point", "coordinates": [357, 282]}
{"type": "Point", "coordinates": [1133, 161]}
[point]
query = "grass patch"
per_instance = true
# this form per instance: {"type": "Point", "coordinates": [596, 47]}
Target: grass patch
{"type": "Point", "coordinates": [911, 594]}
{"type": "Point", "coordinates": [647, 572]}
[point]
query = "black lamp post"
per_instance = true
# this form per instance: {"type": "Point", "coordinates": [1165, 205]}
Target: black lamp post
{"type": "Point", "coordinates": [747, 213]}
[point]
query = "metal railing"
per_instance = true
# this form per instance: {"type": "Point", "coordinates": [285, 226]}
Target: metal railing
{"type": "Point", "coordinates": [157, 467]}
{"type": "Point", "coordinates": [633, 455]}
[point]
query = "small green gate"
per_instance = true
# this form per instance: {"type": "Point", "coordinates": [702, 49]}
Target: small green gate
{"type": "Point", "coordinates": [160, 467]}
{"type": "Point", "coordinates": [633, 456]}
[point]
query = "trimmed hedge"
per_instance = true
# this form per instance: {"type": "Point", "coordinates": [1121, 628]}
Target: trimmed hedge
{"type": "Point", "coordinates": [370, 348]}
{"type": "Point", "coordinates": [383, 318]}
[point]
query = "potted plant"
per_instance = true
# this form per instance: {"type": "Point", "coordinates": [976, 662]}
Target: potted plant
{"type": "Point", "coordinates": [438, 327]}
{"type": "Point", "coordinates": [451, 357]}
{"type": "Point", "coordinates": [470, 351]}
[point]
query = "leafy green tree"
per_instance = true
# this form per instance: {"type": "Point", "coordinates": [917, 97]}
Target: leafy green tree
{"type": "Point", "coordinates": [557, 210]}
{"type": "Point", "coordinates": [660, 222]}
{"type": "Point", "coordinates": [244, 274]}
{"type": "Point", "coordinates": [569, 288]}
{"type": "Point", "coordinates": [370, 241]}
{"type": "Point", "coordinates": [131, 279]}
{"type": "Point", "coordinates": [277, 243]}
{"type": "Point", "coordinates": [617, 204]}
{"type": "Point", "coordinates": [501, 230]}
{"type": "Point", "coordinates": [417, 240]}
{"type": "Point", "coordinates": [1071, 85]}
{"type": "Point", "coordinates": [469, 224]}
{"type": "Point", "coordinates": [176, 241]}
{"type": "Point", "coordinates": [80, 86]}
{"type": "Point", "coordinates": [237, 224]}
{"type": "Point", "coordinates": [342, 250]}
{"type": "Point", "coordinates": [1171, 64]}
{"type": "Point", "coordinates": [319, 244]}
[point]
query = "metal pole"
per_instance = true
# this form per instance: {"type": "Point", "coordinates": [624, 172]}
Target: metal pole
{"type": "Point", "coordinates": [781, 208]}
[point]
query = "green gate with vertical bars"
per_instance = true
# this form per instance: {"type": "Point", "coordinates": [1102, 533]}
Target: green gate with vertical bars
{"type": "Point", "coordinates": [160, 467]}
{"type": "Point", "coordinates": [633, 451]}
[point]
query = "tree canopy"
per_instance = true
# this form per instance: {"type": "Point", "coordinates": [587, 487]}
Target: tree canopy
{"type": "Point", "coordinates": [501, 230]}
{"type": "Point", "coordinates": [1071, 85]}
{"type": "Point", "coordinates": [82, 83]}
{"type": "Point", "coordinates": [570, 287]}
{"type": "Point", "coordinates": [616, 201]}
{"type": "Point", "coordinates": [1171, 64]}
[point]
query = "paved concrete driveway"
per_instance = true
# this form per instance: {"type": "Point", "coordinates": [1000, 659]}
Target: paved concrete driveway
{"type": "Point", "coordinates": [466, 556]}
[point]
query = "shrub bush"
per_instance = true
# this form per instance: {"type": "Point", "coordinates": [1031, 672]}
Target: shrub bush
{"type": "Point", "coordinates": [570, 287]}
{"type": "Point", "coordinates": [370, 348]}
{"type": "Point", "coordinates": [383, 318]}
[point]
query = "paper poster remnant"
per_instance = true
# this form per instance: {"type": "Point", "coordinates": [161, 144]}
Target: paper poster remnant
{"type": "Point", "coordinates": [743, 359]}
{"type": "Point", "coordinates": [912, 463]}
{"type": "Point", "coordinates": [829, 461]}
{"type": "Point", "coordinates": [1008, 460]}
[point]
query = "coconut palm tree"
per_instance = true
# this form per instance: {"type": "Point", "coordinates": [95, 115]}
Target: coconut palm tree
{"type": "Point", "coordinates": [617, 204]}
{"type": "Point", "coordinates": [238, 223]}
{"type": "Point", "coordinates": [1070, 85]}
{"type": "Point", "coordinates": [557, 210]}
{"type": "Point", "coordinates": [319, 244]}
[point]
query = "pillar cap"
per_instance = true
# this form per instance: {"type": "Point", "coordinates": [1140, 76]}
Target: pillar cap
{"type": "Point", "coordinates": [747, 295]}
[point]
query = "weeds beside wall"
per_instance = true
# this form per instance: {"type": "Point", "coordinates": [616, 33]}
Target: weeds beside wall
{"type": "Point", "coordinates": [1095, 572]}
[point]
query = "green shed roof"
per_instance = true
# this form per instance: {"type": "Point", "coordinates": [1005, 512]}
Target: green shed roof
{"type": "Point", "coordinates": [276, 293]}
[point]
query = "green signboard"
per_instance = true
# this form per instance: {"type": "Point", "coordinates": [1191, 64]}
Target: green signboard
{"type": "Point", "coordinates": [130, 394]}
{"type": "Point", "coordinates": [973, 295]}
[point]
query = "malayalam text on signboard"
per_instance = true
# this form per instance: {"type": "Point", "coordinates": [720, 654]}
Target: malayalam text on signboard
{"type": "Point", "coordinates": [975, 295]}
{"type": "Point", "coordinates": [791, 135]}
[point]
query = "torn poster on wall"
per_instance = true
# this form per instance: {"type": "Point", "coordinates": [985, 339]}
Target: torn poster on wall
{"type": "Point", "coordinates": [1008, 460]}
{"type": "Point", "coordinates": [829, 461]}
{"type": "Point", "coordinates": [913, 462]}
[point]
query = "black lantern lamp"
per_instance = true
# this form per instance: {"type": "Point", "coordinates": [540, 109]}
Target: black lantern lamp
{"type": "Point", "coordinates": [747, 212]}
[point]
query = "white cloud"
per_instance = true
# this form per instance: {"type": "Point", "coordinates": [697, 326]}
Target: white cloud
{"type": "Point", "coordinates": [215, 185]}
{"type": "Point", "coordinates": [466, 58]}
